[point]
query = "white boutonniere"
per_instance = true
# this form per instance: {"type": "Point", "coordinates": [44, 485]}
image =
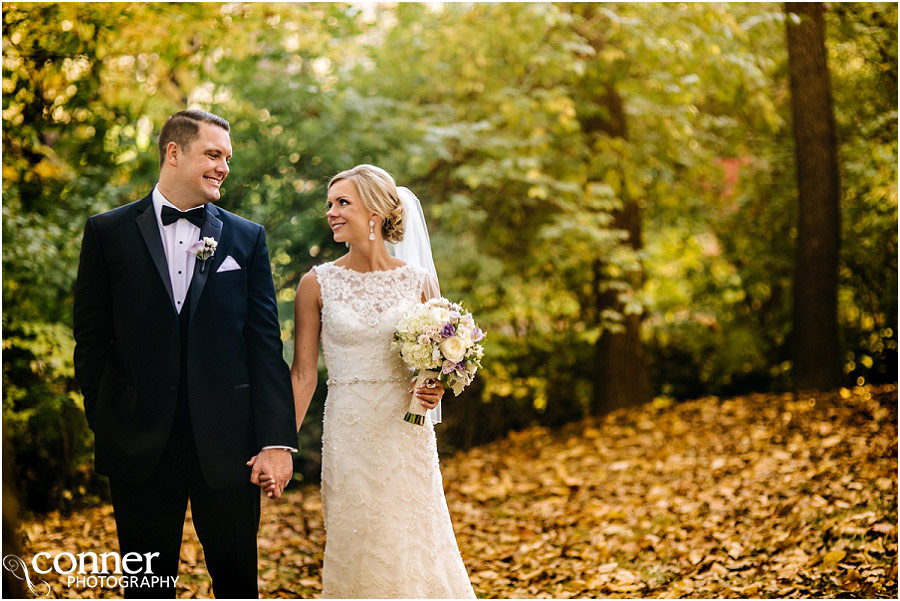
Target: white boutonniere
{"type": "Point", "coordinates": [204, 249]}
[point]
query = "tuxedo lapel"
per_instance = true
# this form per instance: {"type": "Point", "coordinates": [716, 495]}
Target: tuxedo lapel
{"type": "Point", "coordinates": [146, 222]}
{"type": "Point", "coordinates": [212, 228]}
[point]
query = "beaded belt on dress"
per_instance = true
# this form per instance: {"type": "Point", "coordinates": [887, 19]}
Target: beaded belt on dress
{"type": "Point", "coordinates": [333, 381]}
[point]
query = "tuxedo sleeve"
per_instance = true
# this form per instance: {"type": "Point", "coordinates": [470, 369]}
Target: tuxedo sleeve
{"type": "Point", "coordinates": [92, 317]}
{"type": "Point", "coordinates": [270, 380]}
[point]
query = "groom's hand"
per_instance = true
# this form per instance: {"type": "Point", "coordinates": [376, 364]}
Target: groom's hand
{"type": "Point", "coordinates": [277, 465]}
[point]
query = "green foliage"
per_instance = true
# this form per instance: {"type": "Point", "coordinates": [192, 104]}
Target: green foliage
{"type": "Point", "coordinates": [497, 116]}
{"type": "Point", "coordinates": [864, 79]}
{"type": "Point", "coordinates": [44, 417]}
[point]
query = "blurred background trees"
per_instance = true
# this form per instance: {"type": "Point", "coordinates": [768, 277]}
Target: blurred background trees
{"type": "Point", "coordinates": [611, 188]}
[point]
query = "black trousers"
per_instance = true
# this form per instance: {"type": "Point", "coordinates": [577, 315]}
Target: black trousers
{"type": "Point", "coordinates": [150, 519]}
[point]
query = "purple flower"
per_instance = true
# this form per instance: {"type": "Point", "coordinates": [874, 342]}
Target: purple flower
{"type": "Point", "coordinates": [461, 368]}
{"type": "Point", "coordinates": [196, 247]}
{"type": "Point", "coordinates": [448, 367]}
{"type": "Point", "coordinates": [448, 330]}
{"type": "Point", "coordinates": [477, 334]}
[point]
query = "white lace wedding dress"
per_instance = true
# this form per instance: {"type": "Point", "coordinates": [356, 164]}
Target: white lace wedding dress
{"type": "Point", "coordinates": [388, 531]}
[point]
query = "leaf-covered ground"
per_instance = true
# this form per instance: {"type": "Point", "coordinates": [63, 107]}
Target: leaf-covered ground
{"type": "Point", "coordinates": [756, 496]}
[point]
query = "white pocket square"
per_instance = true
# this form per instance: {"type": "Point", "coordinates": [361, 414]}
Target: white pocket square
{"type": "Point", "coordinates": [229, 264]}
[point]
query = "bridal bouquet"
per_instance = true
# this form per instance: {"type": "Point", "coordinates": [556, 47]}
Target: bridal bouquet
{"type": "Point", "coordinates": [439, 340]}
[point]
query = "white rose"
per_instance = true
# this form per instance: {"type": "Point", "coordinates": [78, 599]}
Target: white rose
{"type": "Point", "coordinates": [465, 333]}
{"type": "Point", "coordinates": [440, 315]}
{"type": "Point", "coordinates": [453, 349]}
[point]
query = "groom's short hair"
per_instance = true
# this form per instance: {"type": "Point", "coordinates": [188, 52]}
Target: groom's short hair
{"type": "Point", "coordinates": [184, 126]}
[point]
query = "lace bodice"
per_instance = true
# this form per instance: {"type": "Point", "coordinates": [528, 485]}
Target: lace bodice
{"type": "Point", "coordinates": [360, 312]}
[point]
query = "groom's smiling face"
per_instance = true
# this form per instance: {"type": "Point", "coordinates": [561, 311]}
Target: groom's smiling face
{"type": "Point", "coordinates": [202, 165]}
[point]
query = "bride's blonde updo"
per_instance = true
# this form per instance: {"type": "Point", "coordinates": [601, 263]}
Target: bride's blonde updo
{"type": "Point", "coordinates": [379, 194]}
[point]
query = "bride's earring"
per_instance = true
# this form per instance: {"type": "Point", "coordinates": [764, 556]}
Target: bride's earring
{"type": "Point", "coordinates": [371, 229]}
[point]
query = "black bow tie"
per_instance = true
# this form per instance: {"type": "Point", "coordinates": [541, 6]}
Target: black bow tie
{"type": "Point", "coordinates": [195, 216]}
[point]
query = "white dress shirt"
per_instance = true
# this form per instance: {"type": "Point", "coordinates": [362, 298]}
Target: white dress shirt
{"type": "Point", "coordinates": [176, 240]}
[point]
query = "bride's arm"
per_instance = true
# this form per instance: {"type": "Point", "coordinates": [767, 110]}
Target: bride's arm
{"type": "Point", "coordinates": [307, 311]}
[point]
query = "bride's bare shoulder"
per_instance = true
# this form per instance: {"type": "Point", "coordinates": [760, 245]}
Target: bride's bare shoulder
{"type": "Point", "coordinates": [309, 287]}
{"type": "Point", "coordinates": [310, 277]}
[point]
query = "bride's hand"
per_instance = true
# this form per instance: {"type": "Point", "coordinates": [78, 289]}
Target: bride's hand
{"type": "Point", "coordinates": [270, 485]}
{"type": "Point", "coordinates": [266, 482]}
{"type": "Point", "coordinates": [429, 395]}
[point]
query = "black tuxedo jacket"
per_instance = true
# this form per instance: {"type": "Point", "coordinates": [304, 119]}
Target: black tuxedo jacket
{"type": "Point", "coordinates": [127, 347]}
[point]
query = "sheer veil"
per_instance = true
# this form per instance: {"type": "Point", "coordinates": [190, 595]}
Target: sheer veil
{"type": "Point", "coordinates": [415, 249]}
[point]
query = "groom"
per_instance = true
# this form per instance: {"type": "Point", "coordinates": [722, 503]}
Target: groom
{"type": "Point", "coordinates": [179, 356]}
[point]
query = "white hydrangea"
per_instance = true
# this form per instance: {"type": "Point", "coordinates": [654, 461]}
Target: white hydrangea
{"type": "Point", "coordinates": [417, 356]}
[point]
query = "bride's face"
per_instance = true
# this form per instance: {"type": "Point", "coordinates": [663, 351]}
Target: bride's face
{"type": "Point", "coordinates": [347, 215]}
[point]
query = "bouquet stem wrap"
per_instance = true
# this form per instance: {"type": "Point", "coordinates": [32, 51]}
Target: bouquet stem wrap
{"type": "Point", "coordinates": [416, 412]}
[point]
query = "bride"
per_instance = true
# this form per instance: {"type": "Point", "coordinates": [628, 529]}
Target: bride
{"type": "Point", "coordinates": [388, 530]}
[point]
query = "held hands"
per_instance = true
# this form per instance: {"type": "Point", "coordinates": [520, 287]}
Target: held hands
{"type": "Point", "coordinates": [271, 470]}
{"type": "Point", "coordinates": [430, 394]}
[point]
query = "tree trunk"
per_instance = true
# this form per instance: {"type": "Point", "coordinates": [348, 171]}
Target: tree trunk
{"type": "Point", "coordinates": [620, 372]}
{"type": "Point", "coordinates": [816, 354]}
{"type": "Point", "coordinates": [621, 377]}
{"type": "Point", "coordinates": [12, 578]}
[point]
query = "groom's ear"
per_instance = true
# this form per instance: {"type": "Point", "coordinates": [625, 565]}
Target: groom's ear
{"type": "Point", "coordinates": [172, 152]}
